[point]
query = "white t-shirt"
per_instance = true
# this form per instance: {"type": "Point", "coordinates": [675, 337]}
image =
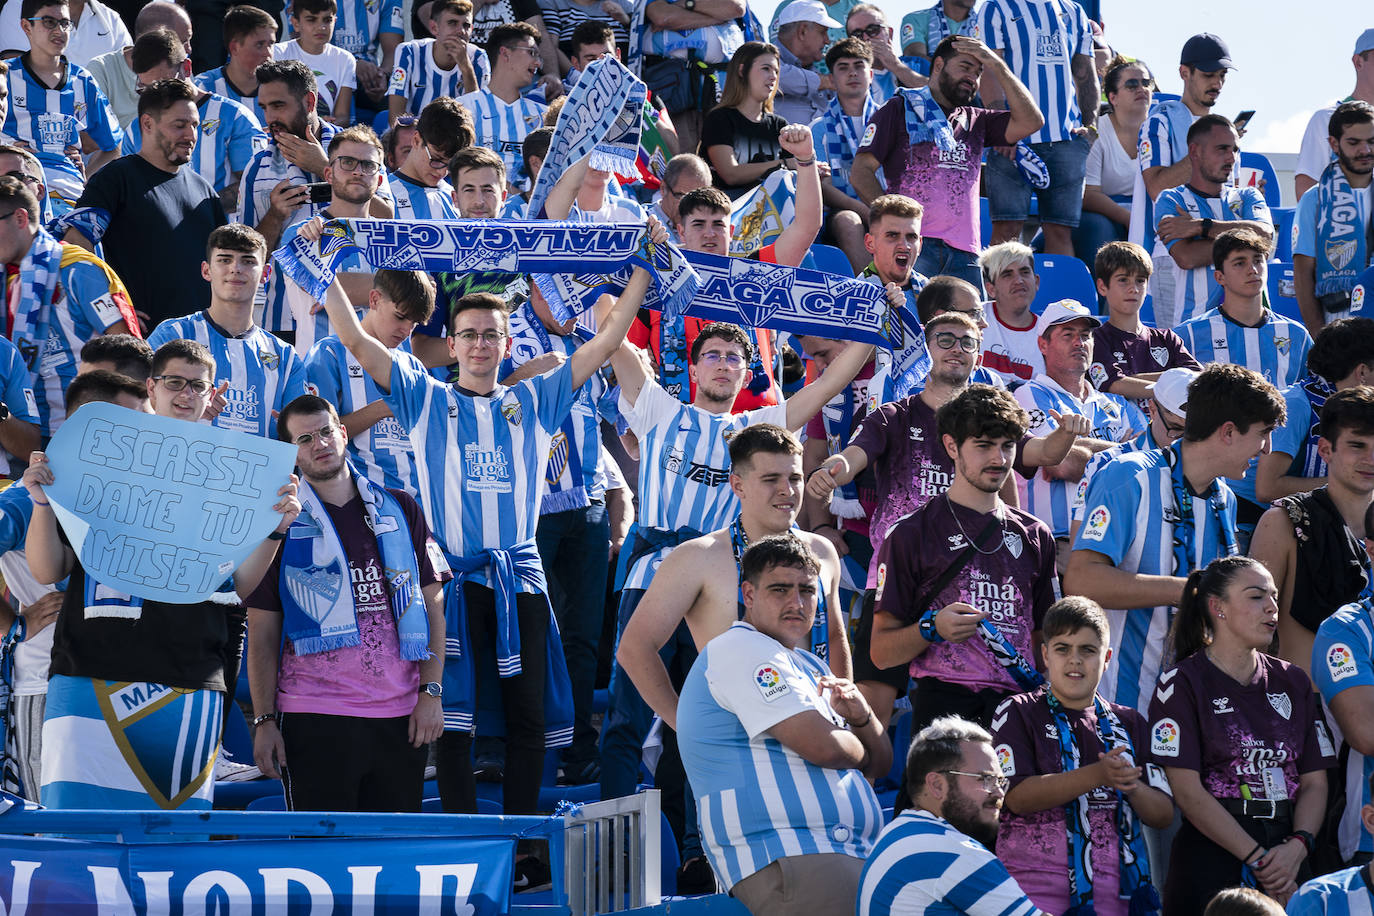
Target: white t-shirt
{"type": "Point", "coordinates": [1110, 167]}
{"type": "Point", "coordinates": [1012, 353]}
{"type": "Point", "coordinates": [33, 656]}
{"type": "Point", "coordinates": [334, 68]}
{"type": "Point", "coordinates": [1315, 153]}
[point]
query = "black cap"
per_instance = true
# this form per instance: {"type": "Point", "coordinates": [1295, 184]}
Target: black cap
{"type": "Point", "coordinates": [1206, 52]}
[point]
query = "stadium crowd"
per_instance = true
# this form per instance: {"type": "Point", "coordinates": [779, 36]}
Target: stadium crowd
{"type": "Point", "coordinates": [1095, 570]}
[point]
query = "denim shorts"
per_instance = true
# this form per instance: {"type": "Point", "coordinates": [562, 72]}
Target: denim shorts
{"type": "Point", "coordinates": [1061, 203]}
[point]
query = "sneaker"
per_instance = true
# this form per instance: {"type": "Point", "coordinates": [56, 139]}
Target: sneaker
{"type": "Point", "coordinates": [695, 878]}
{"type": "Point", "coordinates": [531, 874]}
{"type": "Point", "coordinates": [229, 771]}
{"type": "Point", "coordinates": [580, 774]}
{"type": "Point", "coordinates": [489, 768]}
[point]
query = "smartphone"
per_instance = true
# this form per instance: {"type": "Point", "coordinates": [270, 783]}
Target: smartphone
{"type": "Point", "coordinates": [320, 192]}
{"type": "Point", "coordinates": [1243, 119]}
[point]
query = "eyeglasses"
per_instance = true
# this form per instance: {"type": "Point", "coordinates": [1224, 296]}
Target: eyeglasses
{"type": "Point", "coordinates": [977, 314]}
{"type": "Point", "coordinates": [869, 31]}
{"type": "Point", "coordinates": [715, 358]}
{"type": "Point", "coordinates": [52, 23]}
{"type": "Point", "coordinates": [531, 50]}
{"type": "Point", "coordinates": [1134, 83]}
{"type": "Point", "coordinates": [179, 382]}
{"type": "Point", "coordinates": [435, 162]}
{"type": "Point", "coordinates": [324, 432]}
{"type": "Point", "coordinates": [946, 341]}
{"type": "Point", "coordinates": [27, 179]}
{"type": "Point", "coordinates": [671, 193]}
{"type": "Point", "coordinates": [988, 781]}
{"type": "Point", "coordinates": [354, 164]}
{"type": "Point", "coordinates": [490, 338]}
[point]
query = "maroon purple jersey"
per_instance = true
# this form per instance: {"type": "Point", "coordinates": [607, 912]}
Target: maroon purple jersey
{"type": "Point", "coordinates": [1014, 584]}
{"type": "Point", "coordinates": [1263, 734]}
{"type": "Point", "coordinates": [1035, 847]}
{"type": "Point", "coordinates": [1118, 353]}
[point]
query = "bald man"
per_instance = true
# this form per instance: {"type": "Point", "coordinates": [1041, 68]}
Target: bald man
{"type": "Point", "coordinates": [114, 71]}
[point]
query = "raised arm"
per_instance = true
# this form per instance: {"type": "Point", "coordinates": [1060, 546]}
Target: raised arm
{"type": "Point", "coordinates": [806, 403]}
{"type": "Point", "coordinates": [611, 328]}
{"type": "Point", "coordinates": [800, 234]}
{"type": "Point", "coordinates": [1026, 117]}
{"type": "Point", "coordinates": [50, 560]}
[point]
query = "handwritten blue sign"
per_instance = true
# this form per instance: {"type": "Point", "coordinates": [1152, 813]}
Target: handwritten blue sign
{"type": "Point", "coordinates": [160, 508]}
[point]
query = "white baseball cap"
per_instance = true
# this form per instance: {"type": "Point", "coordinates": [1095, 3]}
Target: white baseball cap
{"type": "Point", "coordinates": [1062, 312]}
{"type": "Point", "coordinates": [1171, 389]}
{"type": "Point", "coordinates": [807, 11]}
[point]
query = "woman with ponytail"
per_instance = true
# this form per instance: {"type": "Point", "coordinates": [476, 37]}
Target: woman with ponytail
{"type": "Point", "coordinates": [1242, 739]}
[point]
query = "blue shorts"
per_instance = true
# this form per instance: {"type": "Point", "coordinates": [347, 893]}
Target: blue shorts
{"type": "Point", "coordinates": [1061, 204]}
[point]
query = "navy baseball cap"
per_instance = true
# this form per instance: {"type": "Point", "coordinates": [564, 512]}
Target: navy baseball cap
{"type": "Point", "coordinates": [1207, 53]}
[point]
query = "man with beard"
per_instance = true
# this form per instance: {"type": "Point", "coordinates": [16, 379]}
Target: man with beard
{"type": "Point", "coordinates": [155, 195]}
{"type": "Point", "coordinates": [346, 705]}
{"type": "Point", "coordinates": [1333, 237]}
{"type": "Point", "coordinates": [937, 857]}
{"type": "Point", "coordinates": [779, 769]}
{"type": "Point", "coordinates": [940, 163]}
{"type": "Point", "coordinates": [354, 173]}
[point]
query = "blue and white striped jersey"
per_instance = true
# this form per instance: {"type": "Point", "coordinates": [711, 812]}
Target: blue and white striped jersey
{"type": "Point", "coordinates": [503, 127]}
{"type": "Point", "coordinates": [1276, 349]}
{"type": "Point", "coordinates": [308, 317]}
{"type": "Point", "coordinates": [412, 200]}
{"type": "Point", "coordinates": [228, 136]}
{"type": "Point", "coordinates": [419, 80]}
{"type": "Point", "coordinates": [263, 372]}
{"type": "Point", "coordinates": [85, 309]}
{"type": "Point", "coordinates": [1142, 443]}
{"type": "Point", "coordinates": [50, 120]}
{"type": "Point", "coordinates": [514, 207]}
{"type": "Point", "coordinates": [481, 458]}
{"type": "Point", "coordinates": [16, 386]}
{"type": "Point", "coordinates": [922, 866]}
{"type": "Point", "coordinates": [1113, 419]}
{"type": "Point", "coordinates": [1343, 657]}
{"type": "Point", "coordinates": [1132, 517]}
{"type": "Point", "coordinates": [215, 81]}
{"type": "Point", "coordinates": [1192, 288]}
{"type": "Point", "coordinates": [757, 799]}
{"type": "Point", "coordinates": [1341, 893]}
{"type": "Point", "coordinates": [572, 477]}
{"type": "Point", "coordinates": [361, 23]}
{"type": "Point", "coordinates": [383, 451]}
{"type": "Point", "coordinates": [1039, 39]}
{"type": "Point", "coordinates": [268, 167]}
{"type": "Point", "coordinates": [684, 468]}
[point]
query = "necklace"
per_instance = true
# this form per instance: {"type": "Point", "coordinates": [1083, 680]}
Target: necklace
{"type": "Point", "coordinates": [1000, 519]}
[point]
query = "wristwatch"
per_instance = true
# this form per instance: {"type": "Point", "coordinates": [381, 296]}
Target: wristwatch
{"type": "Point", "coordinates": [4, 412]}
{"type": "Point", "coordinates": [433, 688]}
{"type": "Point", "coordinates": [1206, 228]}
{"type": "Point", "coordinates": [689, 5]}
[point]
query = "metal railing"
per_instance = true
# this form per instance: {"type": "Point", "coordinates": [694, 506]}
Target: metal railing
{"type": "Point", "coordinates": [613, 853]}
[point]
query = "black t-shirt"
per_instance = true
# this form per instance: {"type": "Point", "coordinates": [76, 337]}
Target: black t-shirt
{"type": "Point", "coordinates": [159, 222]}
{"type": "Point", "coordinates": [178, 645]}
{"type": "Point", "coordinates": [752, 141]}
{"type": "Point", "coordinates": [501, 12]}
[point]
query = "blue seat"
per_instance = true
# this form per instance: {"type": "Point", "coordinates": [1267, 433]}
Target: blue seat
{"type": "Point", "coordinates": [1147, 311]}
{"type": "Point", "coordinates": [831, 260]}
{"type": "Point", "coordinates": [984, 222]}
{"type": "Point", "coordinates": [237, 740]}
{"type": "Point", "coordinates": [268, 803]}
{"type": "Point", "coordinates": [669, 859]}
{"type": "Point", "coordinates": [899, 730]}
{"type": "Point", "coordinates": [1253, 167]}
{"type": "Point", "coordinates": [1282, 299]}
{"type": "Point", "coordinates": [1063, 277]}
{"type": "Point", "coordinates": [1283, 232]}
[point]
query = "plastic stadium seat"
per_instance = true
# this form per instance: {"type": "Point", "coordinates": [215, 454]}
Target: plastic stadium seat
{"type": "Point", "coordinates": [984, 222]}
{"type": "Point", "coordinates": [1253, 167]}
{"type": "Point", "coordinates": [1282, 298]}
{"type": "Point", "coordinates": [1063, 277]}
{"type": "Point", "coordinates": [237, 740]}
{"type": "Point", "coordinates": [669, 859]}
{"type": "Point", "coordinates": [268, 803]}
{"type": "Point", "coordinates": [1147, 311]}
{"type": "Point", "coordinates": [1283, 232]}
{"type": "Point", "coordinates": [831, 260]}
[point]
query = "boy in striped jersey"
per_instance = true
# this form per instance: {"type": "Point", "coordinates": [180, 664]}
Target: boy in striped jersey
{"type": "Point", "coordinates": [483, 451]}
{"type": "Point", "coordinates": [420, 186]}
{"type": "Point", "coordinates": [447, 65]}
{"type": "Point", "coordinates": [501, 115]}
{"type": "Point", "coordinates": [228, 133]}
{"type": "Point", "coordinates": [1343, 893]}
{"type": "Point", "coordinates": [937, 858]}
{"type": "Point", "coordinates": [1188, 218]}
{"type": "Point", "coordinates": [256, 373]}
{"type": "Point", "coordinates": [778, 748]}
{"type": "Point", "coordinates": [1152, 517]}
{"type": "Point", "coordinates": [55, 106]}
{"type": "Point", "coordinates": [396, 303]}
{"type": "Point", "coordinates": [249, 34]}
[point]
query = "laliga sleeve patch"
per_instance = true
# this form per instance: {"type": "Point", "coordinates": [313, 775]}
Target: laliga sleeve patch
{"type": "Point", "coordinates": [312, 388]}
{"type": "Point", "coordinates": [1096, 527]}
{"type": "Point", "coordinates": [869, 134]}
{"type": "Point", "coordinates": [1340, 662]}
{"type": "Point", "coordinates": [1164, 738]}
{"type": "Point", "coordinates": [882, 580]}
{"type": "Point", "coordinates": [770, 682]}
{"type": "Point", "coordinates": [1144, 150]}
{"type": "Point", "coordinates": [1006, 759]}
{"type": "Point", "coordinates": [1098, 373]}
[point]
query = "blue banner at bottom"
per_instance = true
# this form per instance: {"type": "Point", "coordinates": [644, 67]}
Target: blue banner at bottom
{"type": "Point", "coordinates": [343, 877]}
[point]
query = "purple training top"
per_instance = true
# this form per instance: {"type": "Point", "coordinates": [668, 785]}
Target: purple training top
{"type": "Point", "coordinates": [1264, 734]}
{"type": "Point", "coordinates": [1035, 847]}
{"type": "Point", "coordinates": [1118, 353]}
{"type": "Point", "coordinates": [1016, 578]}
